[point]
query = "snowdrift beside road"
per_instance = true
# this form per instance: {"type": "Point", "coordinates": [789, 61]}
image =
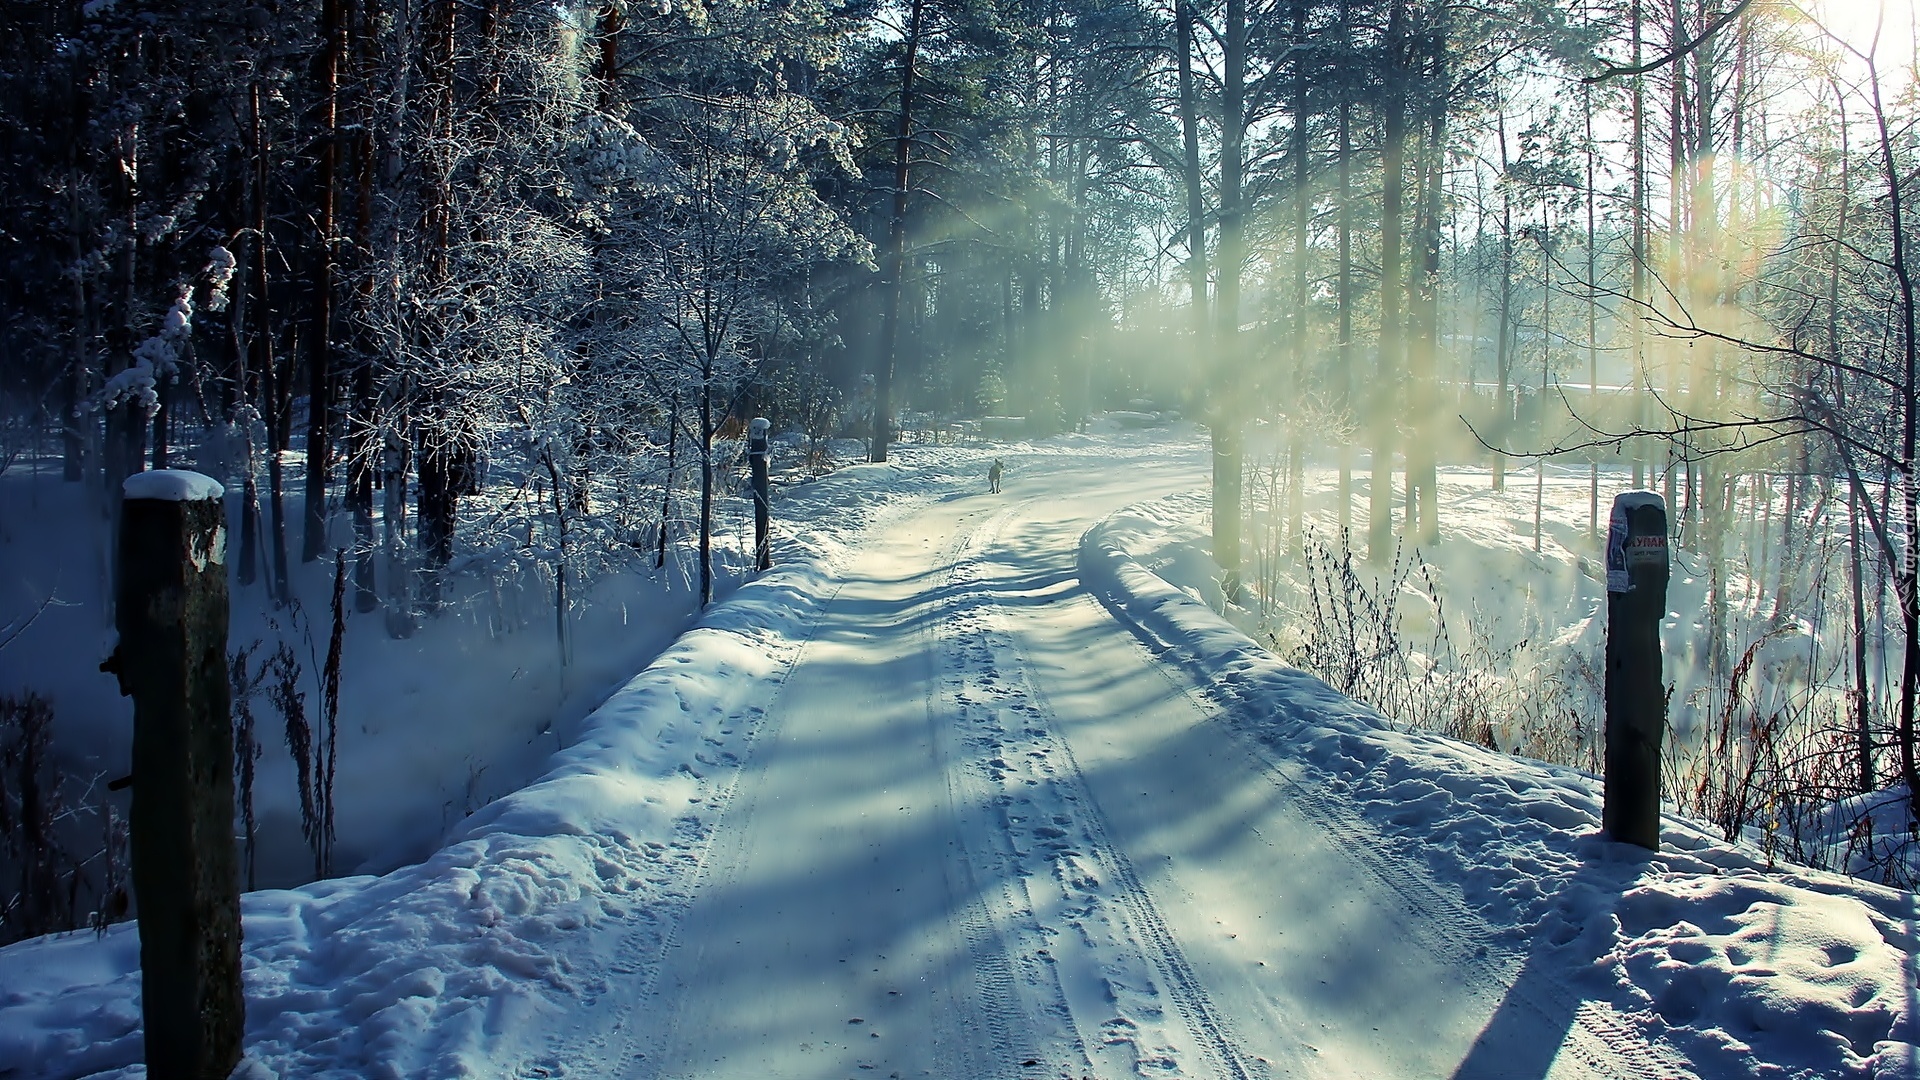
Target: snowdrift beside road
{"type": "Point", "coordinates": [418, 973]}
{"type": "Point", "coordinates": [1746, 969]}
{"type": "Point", "coordinates": [459, 965]}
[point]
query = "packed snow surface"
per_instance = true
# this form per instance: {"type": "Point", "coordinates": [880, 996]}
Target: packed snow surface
{"type": "Point", "coordinates": [981, 786]}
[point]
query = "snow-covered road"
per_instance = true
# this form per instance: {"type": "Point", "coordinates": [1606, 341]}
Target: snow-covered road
{"type": "Point", "coordinates": [978, 786]}
{"type": "Point", "coordinates": [984, 831]}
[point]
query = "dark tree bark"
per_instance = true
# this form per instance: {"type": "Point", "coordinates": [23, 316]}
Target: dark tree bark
{"type": "Point", "coordinates": [666, 485]}
{"type": "Point", "coordinates": [274, 395]}
{"type": "Point", "coordinates": [1423, 497]}
{"type": "Point", "coordinates": [894, 271]}
{"type": "Point", "coordinates": [77, 431]}
{"type": "Point", "coordinates": [1392, 333]}
{"type": "Point", "coordinates": [1302, 238]}
{"type": "Point", "coordinates": [1638, 288]}
{"type": "Point", "coordinates": [708, 426]}
{"type": "Point", "coordinates": [438, 436]}
{"type": "Point", "coordinates": [1193, 180]}
{"type": "Point", "coordinates": [320, 361]}
{"type": "Point", "coordinates": [1229, 371]}
{"type": "Point", "coordinates": [1906, 576]}
{"type": "Point", "coordinates": [1343, 385]}
{"type": "Point", "coordinates": [125, 424]}
{"type": "Point", "coordinates": [362, 427]}
{"type": "Point", "coordinates": [1504, 345]}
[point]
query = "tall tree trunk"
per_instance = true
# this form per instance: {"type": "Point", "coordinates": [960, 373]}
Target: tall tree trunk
{"type": "Point", "coordinates": [1834, 251]}
{"type": "Point", "coordinates": [1593, 317]}
{"type": "Point", "coordinates": [1908, 390]}
{"type": "Point", "coordinates": [77, 426]}
{"type": "Point", "coordinates": [896, 252]}
{"type": "Point", "coordinates": [1504, 343]}
{"type": "Point", "coordinates": [1343, 299]}
{"type": "Point", "coordinates": [362, 467]}
{"type": "Point", "coordinates": [439, 434]}
{"type": "Point", "coordinates": [1675, 452]}
{"type": "Point", "coordinates": [394, 465]}
{"type": "Point", "coordinates": [1546, 366]}
{"type": "Point", "coordinates": [1638, 294]}
{"type": "Point", "coordinates": [248, 309]}
{"type": "Point", "coordinates": [362, 426]}
{"type": "Point", "coordinates": [1423, 496]}
{"type": "Point", "coordinates": [320, 362]}
{"type": "Point", "coordinates": [1195, 183]}
{"type": "Point", "coordinates": [666, 486]}
{"type": "Point", "coordinates": [1705, 388]}
{"type": "Point", "coordinates": [240, 409]}
{"type": "Point", "coordinates": [1229, 376]}
{"type": "Point", "coordinates": [1858, 699]}
{"type": "Point", "coordinates": [1302, 204]}
{"type": "Point", "coordinates": [124, 422]}
{"type": "Point", "coordinates": [392, 434]}
{"type": "Point", "coordinates": [1503, 349]}
{"type": "Point", "coordinates": [274, 396]}
{"type": "Point", "coordinates": [1392, 336]}
{"type": "Point", "coordinates": [708, 426]}
{"type": "Point", "coordinates": [613, 21]}
{"type": "Point", "coordinates": [277, 503]}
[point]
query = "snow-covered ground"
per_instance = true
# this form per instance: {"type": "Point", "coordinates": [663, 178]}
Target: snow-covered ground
{"type": "Point", "coordinates": [401, 786]}
{"type": "Point", "coordinates": [966, 787]}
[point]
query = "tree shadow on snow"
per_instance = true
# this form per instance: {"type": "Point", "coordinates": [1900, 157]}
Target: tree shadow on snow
{"type": "Point", "coordinates": [1530, 1029]}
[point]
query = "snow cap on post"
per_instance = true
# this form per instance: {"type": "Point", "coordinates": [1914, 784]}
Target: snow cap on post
{"type": "Point", "coordinates": [757, 434]}
{"type": "Point", "coordinates": [172, 485]}
{"type": "Point", "coordinates": [1625, 550]}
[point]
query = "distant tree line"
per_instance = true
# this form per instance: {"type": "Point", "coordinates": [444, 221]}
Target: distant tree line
{"type": "Point", "coordinates": [421, 246]}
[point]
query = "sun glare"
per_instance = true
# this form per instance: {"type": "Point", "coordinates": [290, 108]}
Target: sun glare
{"type": "Point", "coordinates": [1856, 21]}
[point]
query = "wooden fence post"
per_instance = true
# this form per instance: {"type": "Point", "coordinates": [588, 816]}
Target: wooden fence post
{"type": "Point", "coordinates": [762, 493]}
{"type": "Point", "coordinates": [1637, 572]}
{"type": "Point", "coordinates": [171, 612]}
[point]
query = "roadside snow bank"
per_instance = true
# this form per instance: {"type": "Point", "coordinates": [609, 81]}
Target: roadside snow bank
{"type": "Point", "coordinates": [1747, 970]}
{"type": "Point", "coordinates": [413, 973]}
{"type": "Point", "coordinates": [458, 965]}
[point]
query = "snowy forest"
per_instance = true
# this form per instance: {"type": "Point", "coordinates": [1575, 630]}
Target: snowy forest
{"type": "Point", "coordinates": [468, 303]}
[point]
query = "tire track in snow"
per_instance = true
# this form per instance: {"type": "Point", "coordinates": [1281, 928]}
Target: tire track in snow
{"type": "Point", "coordinates": [997, 1016]}
{"type": "Point", "coordinates": [1086, 914]}
{"type": "Point", "coordinates": [1008, 1017]}
{"type": "Point", "coordinates": [632, 972]}
{"type": "Point", "coordinates": [1600, 1040]}
{"type": "Point", "coordinates": [1015, 983]}
{"type": "Point", "coordinates": [979, 1025]}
